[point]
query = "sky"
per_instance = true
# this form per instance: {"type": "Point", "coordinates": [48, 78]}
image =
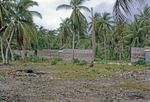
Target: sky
{"type": "Point", "coordinates": [52, 18]}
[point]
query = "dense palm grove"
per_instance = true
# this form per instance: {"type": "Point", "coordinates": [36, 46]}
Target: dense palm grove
{"type": "Point", "coordinates": [114, 36]}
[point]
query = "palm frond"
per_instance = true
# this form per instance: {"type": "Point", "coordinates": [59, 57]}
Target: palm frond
{"type": "Point", "coordinates": [63, 6]}
{"type": "Point", "coordinates": [84, 8]}
{"type": "Point", "coordinates": [8, 31]}
{"type": "Point", "coordinates": [117, 10]}
{"type": "Point", "coordinates": [80, 2]}
{"type": "Point", "coordinates": [123, 7]}
{"type": "Point", "coordinates": [35, 13]}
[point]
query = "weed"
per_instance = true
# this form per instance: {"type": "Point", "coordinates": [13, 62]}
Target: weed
{"type": "Point", "coordinates": [55, 60]}
{"type": "Point", "coordinates": [82, 62]}
{"type": "Point", "coordinates": [76, 61]}
{"type": "Point", "coordinates": [140, 62]}
{"type": "Point", "coordinates": [35, 59]}
{"type": "Point", "coordinates": [123, 68]}
{"type": "Point", "coordinates": [2, 73]}
{"type": "Point", "coordinates": [79, 62]}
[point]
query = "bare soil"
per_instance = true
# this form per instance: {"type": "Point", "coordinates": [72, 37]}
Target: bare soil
{"type": "Point", "coordinates": [42, 86]}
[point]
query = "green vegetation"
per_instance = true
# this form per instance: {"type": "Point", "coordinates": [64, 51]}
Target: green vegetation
{"type": "Point", "coordinates": [114, 39]}
{"type": "Point", "coordinates": [100, 70]}
{"type": "Point", "coordinates": [2, 73]}
{"type": "Point", "coordinates": [31, 58]}
{"type": "Point", "coordinates": [135, 85]}
{"type": "Point", "coordinates": [55, 60]}
{"type": "Point", "coordinates": [111, 36]}
{"type": "Point", "coordinates": [141, 62]}
{"type": "Point", "coordinates": [16, 24]}
{"type": "Point", "coordinates": [79, 62]}
{"type": "Point", "coordinates": [67, 70]}
{"type": "Point", "coordinates": [36, 59]}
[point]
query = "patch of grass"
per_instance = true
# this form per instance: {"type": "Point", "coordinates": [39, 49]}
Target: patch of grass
{"type": "Point", "coordinates": [56, 60]}
{"type": "Point", "coordinates": [66, 70]}
{"type": "Point", "coordinates": [31, 58]}
{"type": "Point", "coordinates": [36, 59]}
{"type": "Point", "coordinates": [75, 61]}
{"type": "Point", "coordinates": [53, 62]}
{"type": "Point", "coordinates": [79, 62]}
{"type": "Point", "coordinates": [75, 71]}
{"type": "Point", "coordinates": [135, 85]}
{"type": "Point", "coordinates": [82, 62]}
{"type": "Point", "coordinates": [99, 70]}
{"type": "Point", "coordinates": [2, 73]}
{"type": "Point", "coordinates": [26, 66]}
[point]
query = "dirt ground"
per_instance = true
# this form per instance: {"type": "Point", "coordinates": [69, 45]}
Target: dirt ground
{"type": "Point", "coordinates": [43, 86]}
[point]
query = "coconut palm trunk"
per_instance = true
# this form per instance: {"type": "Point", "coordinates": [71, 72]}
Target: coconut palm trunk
{"type": "Point", "coordinates": [73, 46]}
{"type": "Point", "coordinates": [1, 40]}
{"type": "Point", "coordinates": [9, 48]}
{"type": "Point", "coordinates": [2, 50]}
{"type": "Point", "coordinates": [11, 52]}
{"type": "Point", "coordinates": [93, 37]}
{"type": "Point", "coordinates": [105, 49]}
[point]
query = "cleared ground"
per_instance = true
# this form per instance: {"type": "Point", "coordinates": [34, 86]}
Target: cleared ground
{"type": "Point", "coordinates": [71, 83]}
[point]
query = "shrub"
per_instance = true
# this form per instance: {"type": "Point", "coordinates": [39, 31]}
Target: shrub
{"type": "Point", "coordinates": [17, 57]}
{"type": "Point", "coordinates": [141, 62]}
{"type": "Point", "coordinates": [55, 60]}
{"type": "Point", "coordinates": [76, 61]}
{"type": "Point", "coordinates": [2, 73]}
{"type": "Point", "coordinates": [58, 59]}
{"type": "Point", "coordinates": [79, 62]}
{"type": "Point", "coordinates": [82, 62]}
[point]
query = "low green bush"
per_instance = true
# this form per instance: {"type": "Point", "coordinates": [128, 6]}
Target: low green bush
{"type": "Point", "coordinates": [76, 61]}
{"type": "Point", "coordinates": [82, 62]}
{"type": "Point", "coordinates": [55, 60]}
{"type": "Point", "coordinates": [79, 62]}
{"type": "Point", "coordinates": [31, 58]}
{"type": "Point", "coordinates": [141, 62]}
{"type": "Point", "coordinates": [2, 73]}
{"type": "Point", "coordinates": [17, 57]}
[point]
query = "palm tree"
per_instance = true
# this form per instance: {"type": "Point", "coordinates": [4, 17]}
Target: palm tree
{"type": "Point", "coordinates": [65, 31]}
{"type": "Point", "coordinates": [93, 27]}
{"type": "Point", "coordinates": [101, 26]}
{"type": "Point", "coordinates": [47, 39]}
{"type": "Point", "coordinates": [78, 20]}
{"type": "Point", "coordinates": [104, 24]}
{"type": "Point", "coordinates": [137, 34]}
{"type": "Point", "coordinates": [41, 36]}
{"type": "Point", "coordinates": [144, 19]}
{"type": "Point", "coordinates": [118, 40]}
{"type": "Point", "coordinates": [21, 25]}
{"type": "Point", "coordinates": [4, 15]}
